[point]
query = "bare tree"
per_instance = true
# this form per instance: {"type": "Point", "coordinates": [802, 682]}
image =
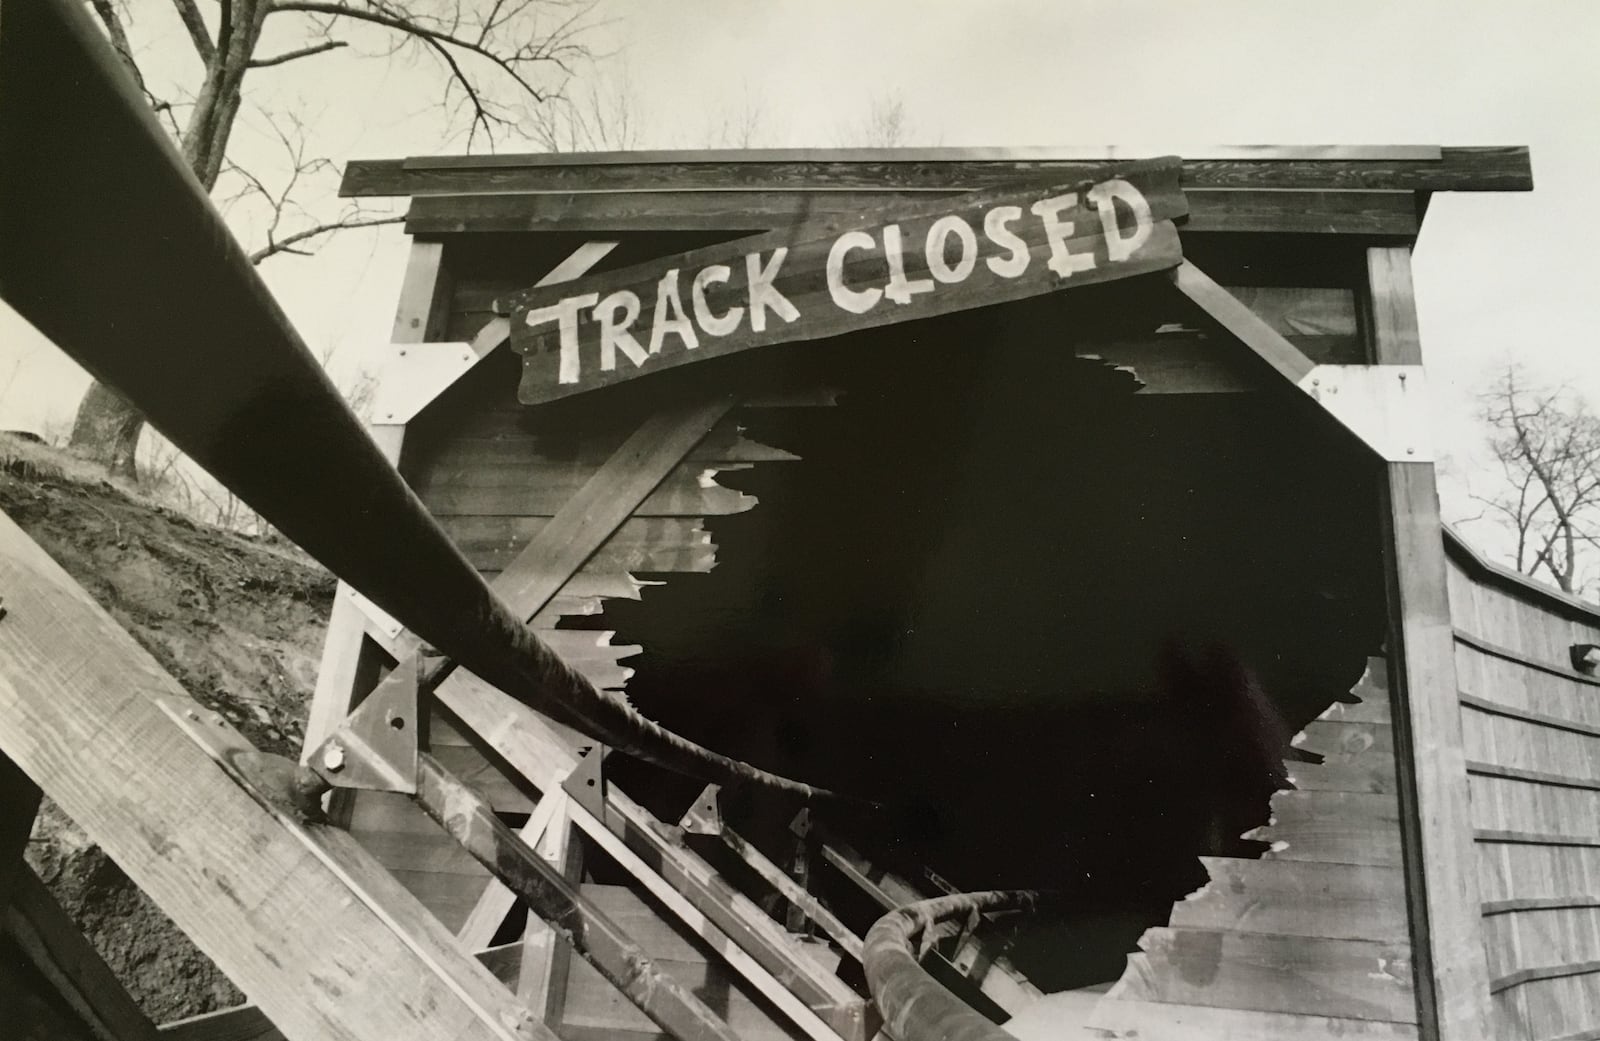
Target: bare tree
{"type": "Point", "coordinates": [594, 118]}
{"type": "Point", "coordinates": [1547, 443]}
{"type": "Point", "coordinates": [885, 124]}
{"type": "Point", "coordinates": [496, 58]}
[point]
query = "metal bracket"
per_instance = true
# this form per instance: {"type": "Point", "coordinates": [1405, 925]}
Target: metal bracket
{"type": "Point", "coordinates": [586, 783]}
{"type": "Point", "coordinates": [704, 817]}
{"type": "Point", "coordinates": [376, 747]}
{"type": "Point", "coordinates": [411, 375]}
{"type": "Point", "coordinates": [1386, 406]}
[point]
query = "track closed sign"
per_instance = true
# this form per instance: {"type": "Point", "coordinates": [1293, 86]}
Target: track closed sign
{"type": "Point", "coordinates": [815, 280]}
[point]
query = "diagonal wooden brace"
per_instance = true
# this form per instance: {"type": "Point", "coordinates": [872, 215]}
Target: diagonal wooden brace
{"type": "Point", "coordinates": [1385, 406]}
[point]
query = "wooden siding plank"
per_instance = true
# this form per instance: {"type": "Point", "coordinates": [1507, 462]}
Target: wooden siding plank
{"type": "Point", "coordinates": [1147, 1021]}
{"type": "Point", "coordinates": [1344, 979]}
{"type": "Point", "coordinates": [1336, 901]}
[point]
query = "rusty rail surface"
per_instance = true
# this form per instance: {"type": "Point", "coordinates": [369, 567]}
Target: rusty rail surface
{"type": "Point", "coordinates": [915, 1006]}
{"type": "Point", "coordinates": [110, 247]}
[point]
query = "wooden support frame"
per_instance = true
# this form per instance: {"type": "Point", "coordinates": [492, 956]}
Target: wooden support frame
{"type": "Point", "coordinates": [419, 317]}
{"type": "Point", "coordinates": [298, 915]}
{"type": "Point", "coordinates": [468, 817]}
{"type": "Point", "coordinates": [1452, 979]}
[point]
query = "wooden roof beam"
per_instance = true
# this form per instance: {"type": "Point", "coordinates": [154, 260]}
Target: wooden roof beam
{"type": "Point", "coordinates": [1499, 168]}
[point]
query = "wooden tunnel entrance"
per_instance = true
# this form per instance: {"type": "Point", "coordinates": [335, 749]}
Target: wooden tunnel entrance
{"type": "Point", "coordinates": [1059, 614]}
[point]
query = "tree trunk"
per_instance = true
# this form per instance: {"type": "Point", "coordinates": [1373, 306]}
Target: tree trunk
{"type": "Point", "coordinates": [107, 430]}
{"type": "Point", "coordinates": [107, 427]}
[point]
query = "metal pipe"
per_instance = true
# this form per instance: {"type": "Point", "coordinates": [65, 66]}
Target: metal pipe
{"type": "Point", "coordinates": [915, 1006]}
{"type": "Point", "coordinates": [111, 248]}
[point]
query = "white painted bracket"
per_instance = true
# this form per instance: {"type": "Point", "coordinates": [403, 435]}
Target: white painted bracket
{"type": "Point", "coordinates": [1386, 406]}
{"type": "Point", "coordinates": [383, 626]}
{"type": "Point", "coordinates": [412, 375]}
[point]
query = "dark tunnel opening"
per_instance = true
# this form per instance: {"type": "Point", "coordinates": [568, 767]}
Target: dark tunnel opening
{"type": "Point", "coordinates": [1060, 630]}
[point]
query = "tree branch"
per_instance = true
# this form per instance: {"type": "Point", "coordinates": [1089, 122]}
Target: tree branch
{"type": "Point", "coordinates": [304, 52]}
{"type": "Point", "coordinates": [189, 12]}
{"type": "Point", "coordinates": [412, 27]}
{"type": "Point", "coordinates": [288, 242]}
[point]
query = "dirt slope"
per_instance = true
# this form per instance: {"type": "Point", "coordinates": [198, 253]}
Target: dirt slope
{"type": "Point", "coordinates": [237, 621]}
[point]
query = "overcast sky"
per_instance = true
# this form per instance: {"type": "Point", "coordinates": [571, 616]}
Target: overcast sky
{"type": "Point", "coordinates": [1498, 275]}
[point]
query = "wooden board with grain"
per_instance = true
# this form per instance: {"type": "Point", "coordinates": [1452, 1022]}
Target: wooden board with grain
{"type": "Point", "coordinates": [1312, 940]}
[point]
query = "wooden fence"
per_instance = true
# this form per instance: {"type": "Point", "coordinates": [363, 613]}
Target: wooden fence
{"type": "Point", "coordinates": [1531, 724]}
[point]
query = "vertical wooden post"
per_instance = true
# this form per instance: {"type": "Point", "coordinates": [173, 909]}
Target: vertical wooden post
{"type": "Point", "coordinates": [419, 316]}
{"type": "Point", "coordinates": [546, 959]}
{"type": "Point", "coordinates": [1441, 859]}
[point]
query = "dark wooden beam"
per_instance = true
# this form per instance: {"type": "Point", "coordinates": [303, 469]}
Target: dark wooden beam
{"type": "Point", "coordinates": [1376, 213]}
{"type": "Point", "coordinates": [1454, 169]}
{"type": "Point", "coordinates": [19, 804]}
{"type": "Point", "coordinates": [1452, 981]}
{"type": "Point", "coordinates": [74, 970]}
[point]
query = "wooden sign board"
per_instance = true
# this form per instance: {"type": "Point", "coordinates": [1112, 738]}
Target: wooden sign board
{"type": "Point", "coordinates": [823, 279]}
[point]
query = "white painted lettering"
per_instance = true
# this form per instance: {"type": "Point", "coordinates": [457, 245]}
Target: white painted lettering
{"type": "Point", "coordinates": [670, 317]}
{"type": "Point", "coordinates": [763, 294]}
{"type": "Point", "coordinates": [715, 325]}
{"type": "Point", "coordinates": [1104, 197]}
{"type": "Point", "coordinates": [856, 301]}
{"type": "Point", "coordinates": [994, 226]}
{"type": "Point", "coordinates": [938, 234]}
{"type": "Point", "coordinates": [566, 314]}
{"type": "Point", "coordinates": [1057, 232]}
{"type": "Point", "coordinates": [900, 289]}
{"type": "Point", "coordinates": [616, 315]}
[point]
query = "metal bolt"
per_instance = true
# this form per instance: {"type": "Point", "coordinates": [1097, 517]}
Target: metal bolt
{"type": "Point", "coordinates": [402, 352]}
{"type": "Point", "coordinates": [1402, 377]}
{"type": "Point", "coordinates": [216, 719]}
{"type": "Point", "coordinates": [333, 759]}
{"type": "Point", "coordinates": [1411, 451]}
{"type": "Point", "coordinates": [192, 715]}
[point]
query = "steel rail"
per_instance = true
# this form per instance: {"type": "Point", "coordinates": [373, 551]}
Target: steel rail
{"type": "Point", "coordinates": [112, 249]}
{"type": "Point", "coordinates": [914, 1005]}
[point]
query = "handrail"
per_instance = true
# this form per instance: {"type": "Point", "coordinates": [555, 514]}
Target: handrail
{"type": "Point", "coordinates": [113, 250]}
{"type": "Point", "coordinates": [914, 1005]}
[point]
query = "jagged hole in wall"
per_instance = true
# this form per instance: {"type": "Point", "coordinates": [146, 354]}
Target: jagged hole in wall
{"type": "Point", "coordinates": [1026, 609]}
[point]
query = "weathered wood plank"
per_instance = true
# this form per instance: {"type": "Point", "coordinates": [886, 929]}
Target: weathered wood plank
{"type": "Point", "coordinates": [300, 918]}
{"type": "Point", "coordinates": [689, 491]}
{"type": "Point", "coordinates": [818, 290]}
{"type": "Point", "coordinates": [1210, 209]}
{"type": "Point", "coordinates": [241, 1023]}
{"type": "Point", "coordinates": [1333, 828]}
{"type": "Point", "coordinates": [1335, 901]}
{"type": "Point", "coordinates": [1345, 979]}
{"type": "Point", "coordinates": [1436, 818]}
{"type": "Point", "coordinates": [1127, 1020]}
{"type": "Point", "coordinates": [1456, 169]}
